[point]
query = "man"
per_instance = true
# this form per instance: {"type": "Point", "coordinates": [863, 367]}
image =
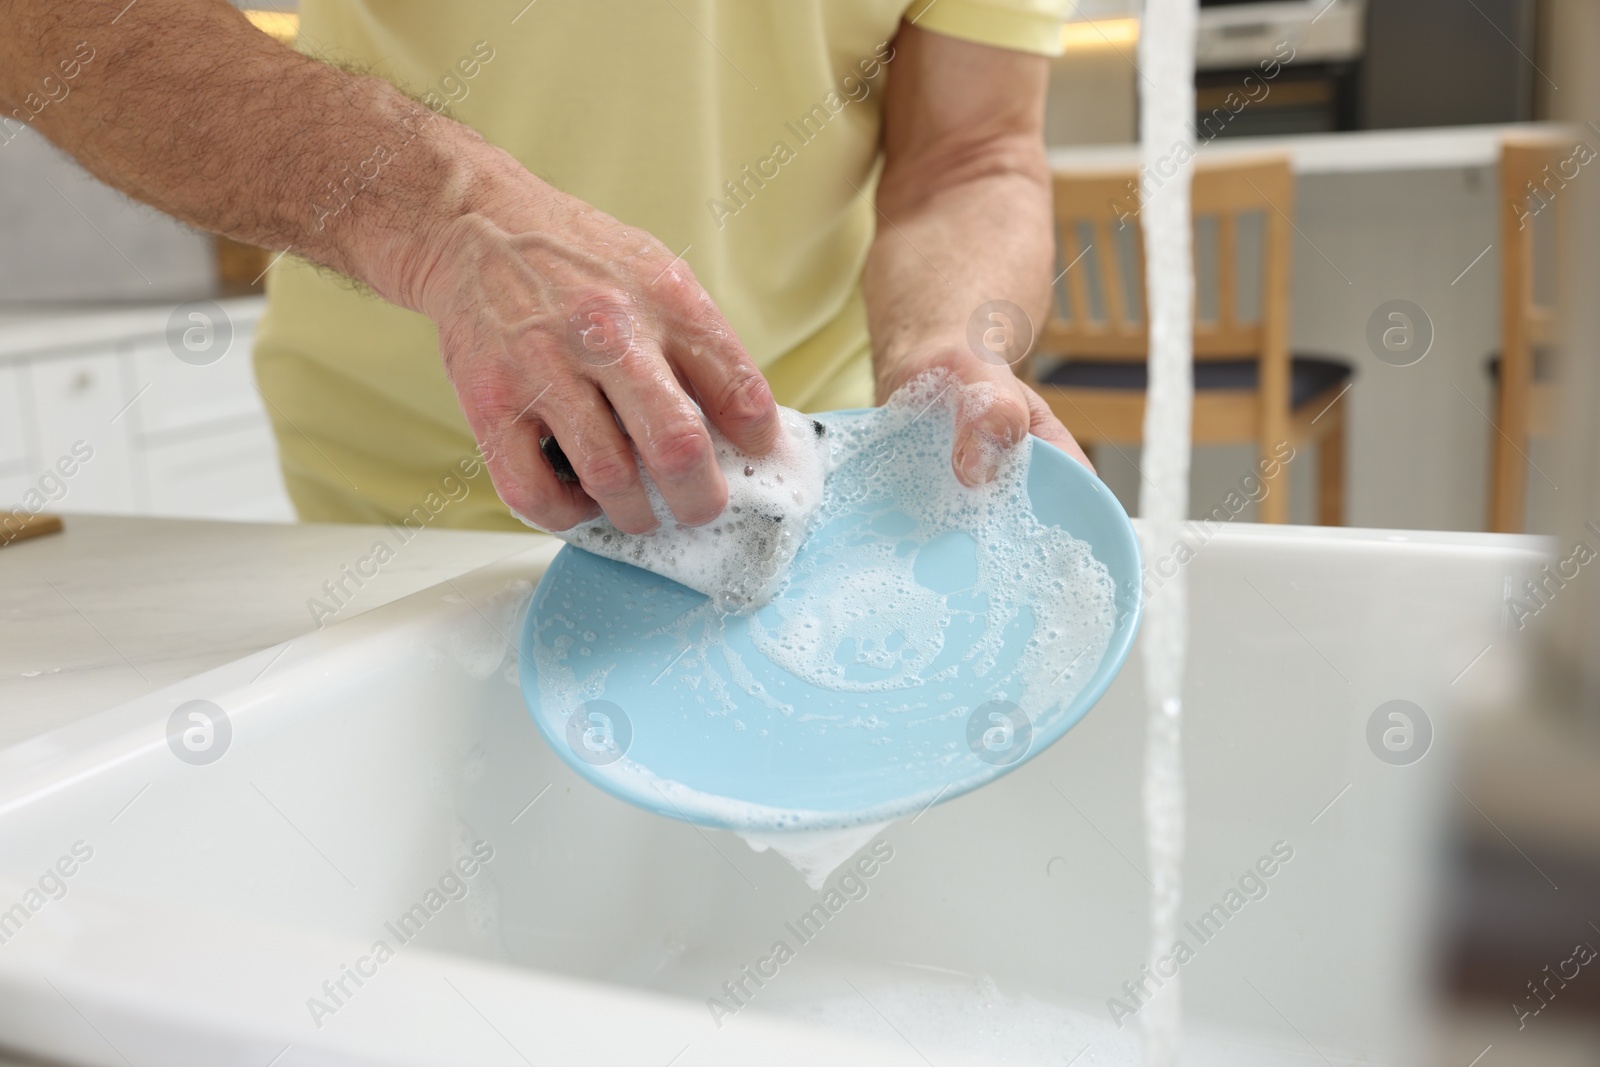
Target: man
{"type": "Point", "coordinates": [648, 210]}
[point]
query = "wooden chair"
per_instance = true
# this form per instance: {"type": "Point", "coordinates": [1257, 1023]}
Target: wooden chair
{"type": "Point", "coordinates": [1531, 201]}
{"type": "Point", "coordinates": [1248, 387]}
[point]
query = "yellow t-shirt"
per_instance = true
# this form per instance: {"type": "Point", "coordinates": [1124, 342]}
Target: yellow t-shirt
{"type": "Point", "coordinates": [743, 133]}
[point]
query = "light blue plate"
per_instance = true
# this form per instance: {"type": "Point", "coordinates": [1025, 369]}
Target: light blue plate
{"type": "Point", "coordinates": [655, 721]}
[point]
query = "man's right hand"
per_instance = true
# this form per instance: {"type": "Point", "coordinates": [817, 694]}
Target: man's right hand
{"type": "Point", "coordinates": [557, 320]}
{"type": "Point", "coordinates": [553, 317]}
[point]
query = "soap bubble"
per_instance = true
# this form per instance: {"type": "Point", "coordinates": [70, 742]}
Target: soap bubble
{"type": "Point", "coordinates": [199, 732]}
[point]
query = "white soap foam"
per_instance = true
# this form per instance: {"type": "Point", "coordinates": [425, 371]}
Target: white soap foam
{"type": "Point", "coordinates": [815, 853]}
{"type": "Point", "coordinates": [892, 620]}
{"type": "Point", "coordinates": [480, 640]}
{"type": "Point", "coordinates": [739, 558]}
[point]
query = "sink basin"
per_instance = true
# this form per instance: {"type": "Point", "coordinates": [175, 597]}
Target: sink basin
{"type": "Point", "coordinates": [205, 875]}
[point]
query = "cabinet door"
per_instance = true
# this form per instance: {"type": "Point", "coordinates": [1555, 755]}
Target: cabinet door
{"type": "Point", "coordinates": [13, 432]}
{"type": "Point", "coordinates": [175, 396]}
{"type": "Point", "coordinates": [14, 485]}
{"type": "Point", "coordinates": [230, 474]}
{"type": "Point", "coordinates": [76, 398]}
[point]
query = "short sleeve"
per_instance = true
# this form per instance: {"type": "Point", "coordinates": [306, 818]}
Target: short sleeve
{"type": "Point", "coordinates": [1021, 25]}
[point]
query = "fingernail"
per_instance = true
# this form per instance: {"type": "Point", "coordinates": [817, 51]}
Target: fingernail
{"type": "Point", "coordinates": [976, 462]}
{"type": "Point", "coordinates": [995, 430]}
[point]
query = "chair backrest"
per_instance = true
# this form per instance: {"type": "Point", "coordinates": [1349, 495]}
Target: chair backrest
{"type": "Point", "coordinates": [1533, 177]}
{"type": "Point", "coordinates": [1242, 251]}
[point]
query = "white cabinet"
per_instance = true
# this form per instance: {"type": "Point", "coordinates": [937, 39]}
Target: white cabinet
{"type": "Point", "coordinates": [13, 487]}
{"type": "Point", "coordinates": [179, 397]}
{"type": "Point", "coordinates": [13, 431]}
{"type": "Point", "coordinates": [14, 462]}
{"type": "Point", "coordinates": [82, 454]}
{"type": "Point", "coordinates": [162, 435]}
{"type": "Point", "coordinates": [231, 474]}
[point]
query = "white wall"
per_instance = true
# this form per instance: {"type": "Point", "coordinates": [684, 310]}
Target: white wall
{"type": "Point", "coordinates": [68, 237]}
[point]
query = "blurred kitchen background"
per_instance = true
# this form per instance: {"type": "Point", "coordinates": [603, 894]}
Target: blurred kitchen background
{"type": "Point", "coordinates": [1395, 117]}
{"type": "Point", "coordinates": [1393, 112]}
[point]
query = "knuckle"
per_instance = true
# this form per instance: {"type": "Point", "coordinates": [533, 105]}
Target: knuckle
{"type": "Point", "coordinates": [678, 287]}
{"type": "Point", "coordinates": [998, 411]}
{"type": "Point", "coordinates": [1008, 421]}
{"type": "Point", "coordinates": [1013, 409]}
{"type": "Point", "coordinates": [680, 450]}
{"type": "Point", "coordinates": [748, 398]}
{"type": "Point", "coordinates": [609, 472]}
{"type": "Point", "coordinates": [527, 494]}
{"type": "Point", "coordinates": [602, 299]}
{"type": "Point", "coordinates": [487, 394]}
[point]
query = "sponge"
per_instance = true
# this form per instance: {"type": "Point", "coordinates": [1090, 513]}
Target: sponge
{"type": "Point", "coordinates": [739, 558]}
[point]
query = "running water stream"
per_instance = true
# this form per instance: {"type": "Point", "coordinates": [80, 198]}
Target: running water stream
{"type": "Point", "coordinates": [1166, 150]}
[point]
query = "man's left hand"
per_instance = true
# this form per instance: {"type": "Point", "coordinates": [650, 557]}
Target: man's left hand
{"type": "Point", "coordinates": [964, 222]}
{"type": "Point", "coordinates": [995, 410]}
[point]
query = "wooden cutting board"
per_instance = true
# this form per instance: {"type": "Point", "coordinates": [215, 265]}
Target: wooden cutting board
{"type": "Point", "coordinates": [20, 525]}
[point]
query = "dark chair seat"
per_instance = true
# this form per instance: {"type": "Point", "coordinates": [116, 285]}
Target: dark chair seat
{"type": "Point", "coordinates": [1309, 376]}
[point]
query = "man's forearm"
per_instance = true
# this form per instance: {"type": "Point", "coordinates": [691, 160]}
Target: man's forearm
{"type": "Point", "coordinates": [964, 219]}
{"type": "Point", "coordinates": [186, 106]}
{"type": "Point", "coordinates": [955, 234]}
{"type": "Point", "coordinates": [963, 201]}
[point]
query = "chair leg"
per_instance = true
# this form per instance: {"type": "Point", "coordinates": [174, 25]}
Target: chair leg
{"type": "Point", "coordinates": [1274, 507]}
{"type": "Point", "coordinates": [1330, 473]}
{"type": "Point", "coordinates": [1508, 473]}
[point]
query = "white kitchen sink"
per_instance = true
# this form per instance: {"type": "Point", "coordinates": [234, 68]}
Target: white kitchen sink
{"type": "Point", "coordinates": [208, 903]}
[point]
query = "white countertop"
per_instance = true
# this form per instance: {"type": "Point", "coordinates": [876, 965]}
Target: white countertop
{"type": "Point", "coordinates": [115, 606]}
{"type": "Point", "coordinates": [1365, 151]}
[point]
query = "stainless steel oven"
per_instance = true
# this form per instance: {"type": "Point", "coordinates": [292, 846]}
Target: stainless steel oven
{"type": "Point", "coordinates": [1268, 67]}
{"type": "Point", "coordinates": [1310, 66]}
